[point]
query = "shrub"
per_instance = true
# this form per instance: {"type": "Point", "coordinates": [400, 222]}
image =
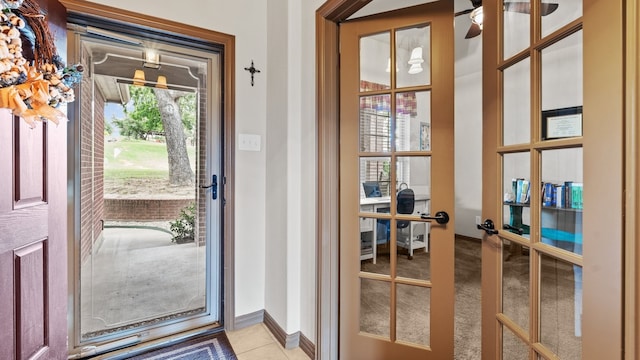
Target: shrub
{"type": "Point", "coordinates": [184, 226]}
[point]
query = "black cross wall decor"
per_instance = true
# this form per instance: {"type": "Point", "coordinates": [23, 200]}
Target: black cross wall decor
{"type": "Point", "coordinates": [252, 70]}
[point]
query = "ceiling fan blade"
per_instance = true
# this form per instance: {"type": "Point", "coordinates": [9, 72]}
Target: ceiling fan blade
{"type": "Point", "coordinates": [520, 7]}
{"type": "Point", "coordinates": [525, 7]}
{"type": "Point", "coordinates": [463, 12]}
{"type": "Point", "coordinates": [547, 8]}
{"type": "Point", "coordinates": [474, 30]}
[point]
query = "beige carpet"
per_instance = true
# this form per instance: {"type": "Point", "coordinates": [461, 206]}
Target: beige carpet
{"type": "Point", "coordinates": [557, 300]}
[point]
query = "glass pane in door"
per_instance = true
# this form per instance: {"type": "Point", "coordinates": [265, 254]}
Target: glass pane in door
{"type": "Point", "coordinates": [144, 242]}
{"type": "Point", "coordinates": [413, 121]}
{"type": "Point", "coordinates": [517, 192]}
{"type": "Point", "coordinates": [413, 314]}
{"type": "Point", "coordinates": [375, 305]}
{"type": "Point", "coordinates": [516, 26]}
{"type": "Point", "coordinates": [413, 199]}
{"type": "Point", "coordinates": [513, 348]}
{"type": "Point", "coordinates": [562, 77]}
{"type": "Point", "coordinates": [561, 307]}
{"type": "Point", "coordinates": [375, 58]}
{"type": "Point", "coordinates": [556, 14]}
{"type": "Point", "coordinates": [562, 205]}
{"type": "Point", "coordinates": [375, 123]}
{"type": "Point", "coordinates": [413, 56]}
{"type": "Point", "coordinates": [515, 283]}
{"type": "Point", "coordinates": [517, 103]}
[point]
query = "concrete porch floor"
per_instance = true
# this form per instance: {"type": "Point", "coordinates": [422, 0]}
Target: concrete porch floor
{"type": "Point", "coordinates": [137, 275]}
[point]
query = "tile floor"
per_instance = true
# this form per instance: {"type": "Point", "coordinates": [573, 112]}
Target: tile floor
{"type": "Point", "coordinates": [257, 343]}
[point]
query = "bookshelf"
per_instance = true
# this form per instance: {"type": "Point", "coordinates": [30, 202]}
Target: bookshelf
{"type": "Point", "coordinates": [560, 227]}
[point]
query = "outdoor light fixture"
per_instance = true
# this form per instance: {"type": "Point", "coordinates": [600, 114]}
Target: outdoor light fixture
{"type": "Point", "coordinates": [138, 78]}
{"type": "Point", "coordinates": [151, 59]}
{"type": "Point", "coordinates": [162, 82]}
{"type": "Point", "coordinates": [416, 61]}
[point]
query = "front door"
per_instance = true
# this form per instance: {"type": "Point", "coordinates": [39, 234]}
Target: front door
{"type": "Point", "coordinates": [396, 185]}
{"type": "Point", "coordinates": [33, 248]}
{"type": "Point", "coordinates": [552, 181]}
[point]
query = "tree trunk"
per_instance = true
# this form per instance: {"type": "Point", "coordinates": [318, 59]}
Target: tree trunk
{"type": "Point", "coordinates": [180, 172]}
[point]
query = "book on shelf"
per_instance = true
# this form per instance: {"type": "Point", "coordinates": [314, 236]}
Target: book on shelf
{"type": "Point", "coordinates": [548, 194]}
{"type": "Point", "coordinates": [521, 190]}
{"type": "Point", "coordinates": [576, 195]}
{"type": "Point", "coordinates": [567, 195]}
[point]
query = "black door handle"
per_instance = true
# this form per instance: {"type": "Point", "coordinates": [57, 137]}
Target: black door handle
{"type": "Point", "coordinates": [488, 226]}
{"type": "Point", "coordinates": [213, 186]}
{"type": "Point", "coordinates": [441, 217]}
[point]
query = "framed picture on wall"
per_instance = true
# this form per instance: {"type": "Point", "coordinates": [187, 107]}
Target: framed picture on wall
{"type": "Point", "coordinates": [425, 133]}
{"type": "Point", "coordinates": [562, 123]}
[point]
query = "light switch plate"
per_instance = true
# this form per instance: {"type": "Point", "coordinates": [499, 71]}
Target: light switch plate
{"type": "Point", "coordinates": [249, 142]}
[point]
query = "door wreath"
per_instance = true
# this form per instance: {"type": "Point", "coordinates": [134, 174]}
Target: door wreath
{"type": "Point", "coordinates": [34, 81]}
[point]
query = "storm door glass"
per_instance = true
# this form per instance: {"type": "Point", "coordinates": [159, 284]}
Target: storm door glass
{"type": "Point", "coordinates": [145, 194]}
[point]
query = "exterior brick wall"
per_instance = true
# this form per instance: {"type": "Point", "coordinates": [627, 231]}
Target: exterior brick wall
{"type": "Point", "coordinates": [143, 209]}
{"type": "Point", "coordinates": [91, 164]}
{"type": "Point", "coordinates": [201, 164]}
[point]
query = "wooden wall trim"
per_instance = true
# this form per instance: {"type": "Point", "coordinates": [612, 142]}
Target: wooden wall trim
{"type": "Point", "coordinates": [228, 118]}
{"type": "Point", "coordinates": [632, 206]}
{"type": "Point", "coordinates": [327, 202]}
{"type": "Point", "coordinates": [339, 10]}
{"type": "Point", "coordinates": [120, 15]}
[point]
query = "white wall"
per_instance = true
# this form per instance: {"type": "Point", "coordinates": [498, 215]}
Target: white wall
{"type": "Point", "coordinates": [277, 182]}
{"type": "Point", "coordinates": [468, 126]}
{"type": "Point", "coordinates": [290, 156]}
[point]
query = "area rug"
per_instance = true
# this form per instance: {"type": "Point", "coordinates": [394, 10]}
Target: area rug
{"type": "Point", "coordinates": [212, 347]}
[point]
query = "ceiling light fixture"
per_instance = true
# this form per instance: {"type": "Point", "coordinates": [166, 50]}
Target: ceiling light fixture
{"type": "Point", "coordinates": [416, 61]}
{"type": "Point", "coordinates": [477, 17]}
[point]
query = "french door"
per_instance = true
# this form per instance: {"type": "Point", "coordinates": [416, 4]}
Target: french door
{"type": "Point", "coordinates": [396, 185]}
{"type": "Point", "coordinates": [552, 249]}
{"type": "Point", "coordinates": [147, 214]}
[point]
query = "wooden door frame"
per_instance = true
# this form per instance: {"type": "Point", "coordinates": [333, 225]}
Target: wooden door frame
{"type": "Point", "coordinates": [228, 123]}
{"type": "Point", "coordinates": [632, 177]}
{"type": "Point", "coordinates": [328, 17]}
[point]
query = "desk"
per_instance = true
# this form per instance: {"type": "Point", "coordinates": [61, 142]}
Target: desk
{"type": "Point", "coordinates": [417, 238]}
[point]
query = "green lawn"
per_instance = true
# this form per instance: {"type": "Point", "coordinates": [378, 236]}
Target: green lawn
{"type": "Point", "coordinates": [138, 159]}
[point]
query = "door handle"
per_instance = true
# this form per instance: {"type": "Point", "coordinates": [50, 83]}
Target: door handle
{"type": "Point", "coordinates": [213, 186]}
{"type": "Point", "coordinates": [488, 226]}
{"type": "Point", "coordinates": [441, 217]}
